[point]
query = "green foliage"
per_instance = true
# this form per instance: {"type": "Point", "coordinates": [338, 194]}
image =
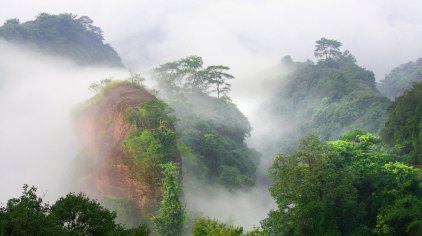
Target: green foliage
{"type": "Point", "coordinates": [79, 215]}
{"type": "Point", "coordinates": [216, 76]}
{"type": "Point", "coordinates": [307, 185]}
{"type": "Point", "coordinates": [327, 48]}
{"type": "Point", "coordinates": [215, 131]}
{"type": "Point", "coordinates": [74, 214]}
{"type": "Point", "coordinates": [151, 115]}
{"type": "Point", "coordinates": [404, 123]}
{"type": "Point", "coordinates": [351, 186]}
{"type": "Point", "coordinates": [152, 141]}
{"type": "Point", "coordinates": [327, 99]}
{"type": "Point", "coordinates": [210, 227]}
{"type": "Point", "coordinates": [401, 79]}
{"type": "Point", "coordinates": [212, 128]}
{"type": "Point", "coordinates": [27, 215]}
{"type": "Point", "coordinates": [188, 75]}
{"type": "Point", "coordinates": [171, 215]}
{"type": "Point", "coordinates": [64, 35]}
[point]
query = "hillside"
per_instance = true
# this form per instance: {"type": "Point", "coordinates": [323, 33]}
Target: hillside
{"type": "Point", "coordinates": [212, 129]}
{"type": "Point", "coordinates": [63, 35]}
{"type": "Point", "coordinates": [404, 124]}
{"type": "Point", "coordinates": [326, 98]}
{"type": "Point", "coordinates": [401, 79]}
{"type": "Point", "coordinates": [126, 137]}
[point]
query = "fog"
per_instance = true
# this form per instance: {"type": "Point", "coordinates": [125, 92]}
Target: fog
{"type": "Point", "coordinates": [37, 92]}
{"type": "Point", "coordinates": [245, 34]}
{"type": "Point", "coordinates": [38, 141]}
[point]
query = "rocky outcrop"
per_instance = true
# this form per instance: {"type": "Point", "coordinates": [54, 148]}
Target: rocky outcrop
{"type": "Point", "coordinates": [102, 129]}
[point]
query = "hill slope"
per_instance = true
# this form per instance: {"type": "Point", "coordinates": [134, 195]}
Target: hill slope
{"type": "Point", "coordinates": [327, 99]}
{"type": "Point", "coordinates": [400, 79]}
{"type": "Point", "coordinates": [126, 139]}
{"type": "Point", "coordinates": [63, 35]}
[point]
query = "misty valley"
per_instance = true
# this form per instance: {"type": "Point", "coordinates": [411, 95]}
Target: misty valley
{"type": "Point", "coordinates": [92, 145]}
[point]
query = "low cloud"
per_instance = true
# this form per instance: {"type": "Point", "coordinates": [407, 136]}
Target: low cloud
{"type": "Point", "coordinates": [38, 142]}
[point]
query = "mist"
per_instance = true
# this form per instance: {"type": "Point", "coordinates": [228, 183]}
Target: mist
{"type": "Point", "coordinates": [246, 35]}
{"type": "Point", "coordinates": [38, 140]}
{"type": "Point", "coordinates": [38, 92]}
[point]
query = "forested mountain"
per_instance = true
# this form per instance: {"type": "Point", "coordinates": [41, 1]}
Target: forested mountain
{"type": "Point", "coordinates": [130, 159]}
{"type": "Point", "coordinates": [326, 98]}
{"type": "Point", "coordinates": [141, 148]}
{"type": "Point", "coordinates": [400, 79]}
{"type": "Point", "coordinates": [404, 123]}
{"type": "Point", "coordinates": [64, 35]}
{"type": "Point", "coordinates": [212, 129]}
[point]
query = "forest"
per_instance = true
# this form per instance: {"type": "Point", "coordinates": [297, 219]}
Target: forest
{"type": "Point", "coordinates": [346, 156]}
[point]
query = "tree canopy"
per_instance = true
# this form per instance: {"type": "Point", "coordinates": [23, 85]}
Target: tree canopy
{"type": "Point", "coordinates": [350, 186]}
{"type": "Point", "coordinates": [326, 99]}
{"type": "Point", "coordinates": [73, 214]}
{"type": "Point", "coordinates": [212, 129]}
{"type": "Point", "coordinates": [404, 124]}
{"type": "Point", "coordinates": [64, 35]}
{"type": "Point", "coordinates": [327, 48]}
{"type": "Point", "coordinates": [188, 75]}
{"type": "Point", "coordinates": [171, 215]}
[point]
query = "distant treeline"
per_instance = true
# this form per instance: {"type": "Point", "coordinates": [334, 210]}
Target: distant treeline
{"type": "Point", "coordinates": [64, 35]}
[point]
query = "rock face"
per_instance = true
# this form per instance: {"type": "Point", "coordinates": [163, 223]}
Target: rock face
{"type": "Point", "coordinates": [106, 174]}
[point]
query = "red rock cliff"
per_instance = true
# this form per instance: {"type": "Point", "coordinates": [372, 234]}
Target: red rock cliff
{"type": "Point", "coordinates": [103, 131]}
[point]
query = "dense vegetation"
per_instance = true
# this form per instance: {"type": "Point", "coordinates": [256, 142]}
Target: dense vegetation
{"type": "Point", "coordinates": [212, 130]}
{"type": "Point", "coordinates": [404, 123]}
{"type": "Point", "coordinates": [151, 155]}
{"type": "Point", "coordinates": [73, 214]}
{"type": "Point", "coordinates": [401, 79]}
{"type": "Point", "coordinates": [170, 218]}
{"type": "Point", "coordinates": [152, 141]}
{"type": "Point", "coordinates": [328, 98]}
{"type": "Point", "coordinates": [64, 35]}
{"type": "Point", "coordinates": [350, 186]}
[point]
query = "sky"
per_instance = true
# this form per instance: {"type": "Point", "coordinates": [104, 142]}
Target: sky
{"type": "Point", "coordinates": [246, 35]}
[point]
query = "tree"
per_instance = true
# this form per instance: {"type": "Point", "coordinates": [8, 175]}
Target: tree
{"type": "Point", "coordinates": [404, 123]}
{"type": "Point", "coordinates": [171, 215]}
{"type": "Point", "coordinates": [98, 86]}
{"type": "Point", "coordinates": [135, 78]}
{"type": "Point", "coordinates": [64, 35]}
{"type": "Point", "coordinates": [181, 75]}
{"type": "Point", "coordinates": [187, 75]}
{"type": "Point", "coordinates": [27, 215]}
{"type": "Point", "coordinates": [313, 196]}
{"type": "Point", "coordinates": [74, 214]}
{"type": "Point", "coordinates": [78, 214]}
{"type": "Point", "coordinates": [217, 77]}
{"type": "Point", "coordinates": [350, 186]}
{"type": "Point", "coordinates": [327, 48]}
{"type": "Point", "coordinates": [206, 226]}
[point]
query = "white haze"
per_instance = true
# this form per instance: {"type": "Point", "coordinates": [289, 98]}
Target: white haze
{"type": "Point", "coordinates": [240, 208]}
{"type": "Point", "coordinates": [247, 35]}
{"type": "Point", "coordinates": [38, 142]}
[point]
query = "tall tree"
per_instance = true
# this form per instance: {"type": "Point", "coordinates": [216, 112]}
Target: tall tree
{"type": "Point", "coordinates": [170, 217]}
{"type": "Point", "coordinates": [188, 75]}
{"type": "Point", "coordinates": [181, 76]}
{"type": "Point", "coordinates": [217, 77]}
{"type": "Point", "coordinates": [327, 48]}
